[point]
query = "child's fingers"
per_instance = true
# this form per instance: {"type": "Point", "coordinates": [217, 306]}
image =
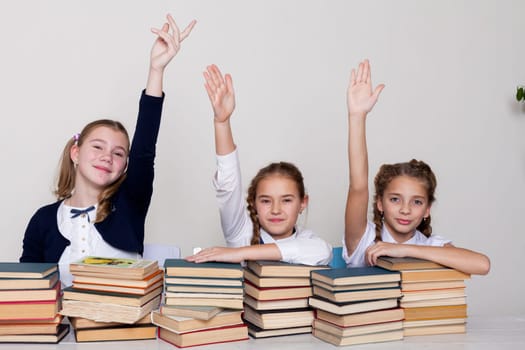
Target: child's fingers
{"type": "Point", "coordinates": [187, 30]}
{"type": "Point", "coordinates": [174, 27]}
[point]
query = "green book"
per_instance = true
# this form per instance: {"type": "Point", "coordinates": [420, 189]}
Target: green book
{"type": "Point", "coordinates": [183, 268]}
{"type": "Point", "coordinates": [26, 269]}
{"type": "Point", "coordinates": [29, 283]}
{"type": "Point", "coordinates": [355, 275]}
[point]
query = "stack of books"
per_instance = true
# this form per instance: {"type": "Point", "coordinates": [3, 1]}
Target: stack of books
{"type": "Point", "coordinates": [433, 298]}
{"type": "Point", "coordinates": [356, 305]}
{"type": "Point", "coordinates": [276, 298]}
{"type": "Point", "coordinates": [112, 298]}
{"type": "Point", "coordinates": [202, 303]}
{"type": "Point", "coordinates": [29, 303]}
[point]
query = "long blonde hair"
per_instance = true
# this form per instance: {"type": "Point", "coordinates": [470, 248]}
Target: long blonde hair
{"type": "Point", "coordinates": [67, 171]}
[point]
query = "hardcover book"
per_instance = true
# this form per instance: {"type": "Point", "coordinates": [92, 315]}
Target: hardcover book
{"type": "Point", "coordinates": [180, 324]}
{"type": "Point", "coordinates": [21, 295]}
{"type": "Point", "coordinates": [26, 270]}
{"type": "Point", "coordinates": [275, 319]}
{"type": "Point", "coordinates": [116, 333]}
{"type": "Point", "coordinates": [118, 268]}
{"type": "Point", "coordinates": [29, 310]}
{"type": "Point", "coordinates": [352, 307]}
{"type": "Point", "coordinates": [278, 304]}
{"type": "Point", "coordinates": [435, 312]}
{"type": "Point", "coordinates": [206, 336]}
{"type": "Point", "coordinates": [264, 268]}
{"type": "Point", "coordinates": [268, 282]}
{"type": "Point", "coordinates": [406, 263]}
{"type": "Point", "coordinates": [357, 295]}
{"type": "Point", "coordinates": [29, 283]}
{"type": "Point", "coordinates": [356, 275]}
{"type": "Point", "coordinates": [277, 292]}
{"type": "Point", "coordinates": [430, 275]}
{"type": "Point", "coordinates": [362, 318]}
{"type": "Point", "coordinates": [197, 312]}
{"type": "Point", "coordinates": [62, 330]}
{"type": "Point", "coordinates": [81, 323]}
{"type": "Point", "coordinates": [148, 281]}
{"type": "Point", "coordinates": [216, 302]}
{"type": "Point", "coordinates": [70, 293]}
{"type": "Point", "coordinates": [204, 281]}
{"type": "Point", "coordinates": [358, 339]}
{"type": "Point", "coordinates": [357, 330]}
{"type": "Point", "coordinates": [183, 268]}
{"type": "Point", "coordinates": [256, 332]}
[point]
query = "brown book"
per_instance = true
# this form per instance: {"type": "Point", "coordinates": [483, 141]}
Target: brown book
{"type": "Point", "coordinates": [264, 268]}
{"type": "Point", "coordinates": [197, 312]}
{"type": "Point", "coordinates": [205, 336]}
{"type": "Point", "coordinates": [435, 312]}
{"type": "Point", "coordinates": [358, 339]}
{"type": "Point", "coordinates": [412, 286]}
{"type": "Point", "coordinates": [274, 293]}
{"type": "Point", "coordinates": [117, 268]}
{"type": "Point", "coordinates": [435, 329]}
{"type": "Point", "coordinates": [29, 310]}
{"type": "Point", "coordinates": [21, 295]}
{"type": "Point", "coordinates": [275, 319]}
{"type": "Point", "coordinates": [433, 302]}
{"type": "Point", "coordinates": [434, 322]}
{"type": "Point", "coordinates": [268, 282]}
{"type": "Point", "coordinates": [217, 302]}
{"type": "Point", "coordinates": [432, 294]}
{"type": "Point", "coordinates": [181, 295]}
{"type": "Point", "coordinates": [28, 327]}
{"type": "Point", "coordinates": [357, 330]}
{"type": "Point", "coordinates": [349, 287]}
{"type": "Point", "coordinates": [357, 295]}
{"type": "Point", "coordinates": [180, 324]}
{"type": "Point", "coordinates": [117, 289]}
{"type": "Point", "coordinates": [429, 275]}
{"type": "Point", "coordinates": [359, 319]}
{"type": "Point", "coordinates": [116, 333]}
{"type": "Point", "coordinates": [147, 282]}
{"type": "Point", "coordinates": [103, 312]}
{"type": "Point", "coordinates": [61, 332]}
{"type": "Point", "coordinates": [29, 283]}
{"type": "Point", "coordinates": [184, 288]}
{"type": "Point", "coordinates": [406, 263]}
{"type": "Point", "coordinates": [71, 293]}
{"type": "Point", "coordinates": [352, 307]}
{"type": "Point", "coordinates": [257, 332]}
{"type": "Point", "coordinates": [81, 323]}
{"type": "Point", "coordinates": [278, 304]}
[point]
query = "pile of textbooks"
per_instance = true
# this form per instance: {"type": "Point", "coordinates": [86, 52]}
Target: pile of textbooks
{"type": "Point", "coordinates": [434, 299]}
{"type": "Point", "coordinates": [202, 303]}
{"type": "Point", "coordinates": [356, 305]}
{"type": "Point", "coordinates": [112, 298]}
{"type": "Point", "coordinates": [276, 298]}
{"type": "Point", "coordinates": [29, 303]}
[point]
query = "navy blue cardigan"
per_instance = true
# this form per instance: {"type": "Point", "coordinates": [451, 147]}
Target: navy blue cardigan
{"type": "Point", "coordinates": [123, 228]}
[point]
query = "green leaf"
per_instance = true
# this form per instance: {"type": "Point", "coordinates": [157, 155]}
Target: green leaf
{"type": "Point", "coordinates": [519, 94]}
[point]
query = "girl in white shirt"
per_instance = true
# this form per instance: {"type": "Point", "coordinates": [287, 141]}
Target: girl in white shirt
{"type": "Point", "coordinates": [267, 229]}
{"type": "Point", "coordinates": [402, 202]}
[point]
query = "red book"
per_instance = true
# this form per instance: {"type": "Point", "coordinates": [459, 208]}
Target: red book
{"type": "Point", "coordinates": [205, 336]}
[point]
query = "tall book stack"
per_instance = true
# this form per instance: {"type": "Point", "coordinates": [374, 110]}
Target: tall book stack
{"type": "Point", "coordinates": [202, 303]}
{"type": "Point", "coordinates": [111, 298]}
{"type": "Point", "coordinates": [433, 298]}
{"type": "Point", "coordinates": [356, 305]}
{"type": "Point", "coordinates": [276, 298]}
{"type": "Point", "coordinates": [29, 303]}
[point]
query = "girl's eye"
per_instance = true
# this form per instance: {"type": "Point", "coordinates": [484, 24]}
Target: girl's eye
{"type": "Point", "coordinates": [97, 147]}
{"type": "Point", "coordinates": [265, 201]}
{"type": "Point", "coordinates": [418, 202]}
{"type": "Point", "coordinates": [394, 199]}
{"type": "Point", "coordinates": [287, 200]}
{"type": "Point", "coordinates": [119, 154]}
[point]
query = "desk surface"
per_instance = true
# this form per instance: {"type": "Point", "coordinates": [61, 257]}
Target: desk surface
{"type": "Point", "coordinates": [497, 332]}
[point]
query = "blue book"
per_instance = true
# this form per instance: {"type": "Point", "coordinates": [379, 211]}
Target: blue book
{"type": "Point", "coordinates": [26, 269]}
{"type": "Point", "coordinates": [183, 268]}
{"type": "Point", "coordinates": [355, 275]}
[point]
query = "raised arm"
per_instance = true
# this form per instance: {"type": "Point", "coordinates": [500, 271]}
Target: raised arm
{"type": "Point", "coordinates": [361, 98]}
{"type": "Point", "coordinates": [164, 49]}
{"type": "Point", "coordinates": [222, 98]}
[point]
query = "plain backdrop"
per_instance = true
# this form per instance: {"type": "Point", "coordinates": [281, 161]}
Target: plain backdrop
{"type": "Point", "coordinates": [450, 67]}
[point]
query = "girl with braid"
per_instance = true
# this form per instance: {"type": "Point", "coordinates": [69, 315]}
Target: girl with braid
{"type": "Point", "coordinates": [267, 229]}
{"type": "Point", "coordinates": [105, 184]}
{"type": "Point", "coordinates": [401, 205]}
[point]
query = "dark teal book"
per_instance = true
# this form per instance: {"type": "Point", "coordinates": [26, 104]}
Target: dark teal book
{"type": "Point", "coordinates": [26, 269]}
{"type": "Point", "coordinates": [355, 275]}
{"type": "Point", "coordinates": [183, 268]}
{"type": "Point", "coordinates": [29, 283]}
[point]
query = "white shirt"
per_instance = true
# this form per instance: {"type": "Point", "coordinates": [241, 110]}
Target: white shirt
{"type": "Point", "coordinates": [302, 247]}
{"type": "Point", "coordinates": [85, 241]}
{"type": "Point", "coordinates": [357, 258]}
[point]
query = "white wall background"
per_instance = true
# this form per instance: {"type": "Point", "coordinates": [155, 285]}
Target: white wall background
{"type": "Point", "coordinates": [450, 69]}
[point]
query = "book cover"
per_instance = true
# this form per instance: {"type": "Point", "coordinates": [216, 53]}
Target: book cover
{"type": "Point", "coordinates": [179, 295]}
{"type": "Point", "coordinates": [358, 339]}
{"type": "Point", "coordinates": [358, 329]}
{"type": "Point", "coordinates": [204, 281]}
{"type": "Point", "coordinates": [197, 312]}
{"type": "Point", "coordinates": [433, 294]}
{"type": "Point", "coordinates": [153, 278]}
{"type": "Point", "coordinates": [71, 293]}
{"type": "Point", "coordinates": [413, 286]}
{"type": "Point", "coordinates": [433, 302]}
{"type": "Point", "coordinates": [267, 268]}
{"type": "Point", "coordinates": [205, 337]}
{"type": "Point", "coordinates": [362, 318]}
{"type": "Point", "coordinates": [119, 268]}
{"type": "Point", "coordinates": [217, 302]}
{"type": "Point", "coordinates": [29, 283]}
{"type": "Point", "coordinates": [28, 328]}
{"type": "Point", "coordinates": [435, 329]}
{"type": "Point", "coordinates": [268, 282]}
{"type": "Point", "coordinates": [26, 270]}
{"type": "Point", "coordinates": [435, 312]}
{"type": "Point", "coordinates": [430, 275]}
{"type": "Point", "coordinates": [256, 332]}
{"type": "Point", "coordinates": [349, 287]}
{"type": "Point", "coordinates": [185, 288]}
{"type": "Point", "coordinates": [352, 307]}
{"type": "Point", "coordinates": [21, 295]}
{"type": "Point", "coordinates": [63, 329]}
{"type": "Point", "coordinates": [357, 295]}
{"type": "Point", "coordinates": [181, 324]}
{"type": "Point", "coordinates": [356, 275]}
{"type": "Point", "coordinates": [277, 304]}
{"type": "Point", "coordinates": [117, 289]}
{"type": "Point", "coordinates": [29, 310]}
{"type": "Point", "coordinates": [81, 323]}
{"type": "Point", "coordinates": [116, 333]}
{"type": "Point", "coordinates": [406, 263]}
{"type": "Point", "coordinates": [273, 293]}
{"type": "Point", "coordinates": [183, 268]}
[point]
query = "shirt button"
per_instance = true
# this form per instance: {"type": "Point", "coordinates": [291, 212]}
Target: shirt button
{"type": "Point", "coordinates": [83, 251]}
{"type": "Point", "coordinates": [83, 215]}
{"type": "Point", "coordinates": [83, 238]}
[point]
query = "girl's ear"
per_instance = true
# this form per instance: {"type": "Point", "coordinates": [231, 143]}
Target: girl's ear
{"type": "Point", "coordinates": [304, 203]}
{"type": "Point", "coordinates": [379, 204]}
{"type": "Point", "coordinates": [73, 153]}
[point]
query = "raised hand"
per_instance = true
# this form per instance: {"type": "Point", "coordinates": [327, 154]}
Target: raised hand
{"type": "Point", "coordinates": [361, 98]}
{"type": "Point", "coordinates": [221, 94]}
{"type": "Point", "coordinates": [167, 44]}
